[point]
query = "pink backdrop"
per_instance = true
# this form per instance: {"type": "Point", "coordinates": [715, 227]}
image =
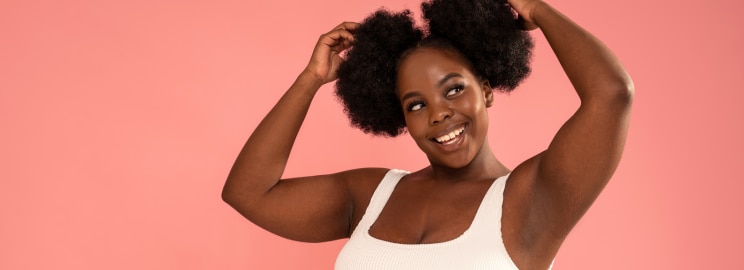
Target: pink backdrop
{"type": "Point", "coordinates": [120, 121]}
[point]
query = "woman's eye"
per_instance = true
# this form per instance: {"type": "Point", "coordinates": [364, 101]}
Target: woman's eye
{"type": "Point", "coordinates": [454, 91]}
{"type": "Point", "coordinates": [415, 107]}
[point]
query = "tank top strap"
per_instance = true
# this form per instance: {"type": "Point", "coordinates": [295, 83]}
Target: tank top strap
{"type": "Point", "coordinates": [487, 221]}
{"type": "Point", "coordinates": [380, 197]}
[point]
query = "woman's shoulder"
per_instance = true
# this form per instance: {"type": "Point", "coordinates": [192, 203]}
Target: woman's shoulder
{"type": "Point", "coordinates": [364, 180]}
{"type": "Point", "coordinates": [362, 184]}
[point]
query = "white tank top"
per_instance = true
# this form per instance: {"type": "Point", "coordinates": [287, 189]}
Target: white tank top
{"type": "Point", "coordinates": [479, 247]}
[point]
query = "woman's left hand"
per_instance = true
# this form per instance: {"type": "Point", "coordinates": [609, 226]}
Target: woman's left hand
{"type": "Point", "coordinates": [525, 10]}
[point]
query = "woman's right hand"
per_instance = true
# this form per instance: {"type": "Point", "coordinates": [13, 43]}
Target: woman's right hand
{"type": "Point", "coordinates": [314, 208]}
{"type": "Point", "coordinates": [326, 56]}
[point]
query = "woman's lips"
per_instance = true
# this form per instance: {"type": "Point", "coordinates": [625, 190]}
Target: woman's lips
{"type": "Point", "coordinates": [449, 138]}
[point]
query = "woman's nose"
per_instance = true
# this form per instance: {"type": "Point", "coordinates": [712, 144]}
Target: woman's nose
{"type": "Point", "coordinates": [439, 113]}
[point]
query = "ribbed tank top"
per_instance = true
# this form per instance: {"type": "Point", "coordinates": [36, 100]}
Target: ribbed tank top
{"type": "Point", "coordinates": [479, 247]}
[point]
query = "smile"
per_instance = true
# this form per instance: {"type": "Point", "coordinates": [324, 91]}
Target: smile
{"type": "Point", "coordinates": [450, 137]}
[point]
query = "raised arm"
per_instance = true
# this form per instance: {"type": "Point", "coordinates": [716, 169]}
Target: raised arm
{"type": "Point", "coordinates": [310, 209]}
{"type": "Point", "coordinates": [585, 152]}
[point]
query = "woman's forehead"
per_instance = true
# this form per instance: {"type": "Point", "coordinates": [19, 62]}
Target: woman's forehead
{"type": "Point", "coordinates": [430, 65]}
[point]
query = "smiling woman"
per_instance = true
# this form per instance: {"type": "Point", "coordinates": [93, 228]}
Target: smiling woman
{"type": "Point", "coordinates": [466, 209]}
{"type": "Point", "coordinates": [444, 106]}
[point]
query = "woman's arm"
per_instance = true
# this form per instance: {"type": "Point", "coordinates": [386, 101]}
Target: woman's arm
{"type": "Point", "coordinates": [570, 174]}
{"type": "Point", "coordinates": [309, 209]}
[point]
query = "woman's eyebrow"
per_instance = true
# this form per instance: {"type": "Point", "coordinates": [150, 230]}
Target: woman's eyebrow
{"type": "Point", "coordinates": [410, 95]}
{"type": "Point", "coordinates": [449, 76]}
{"type": "Point", "coordinates": [439, 84]}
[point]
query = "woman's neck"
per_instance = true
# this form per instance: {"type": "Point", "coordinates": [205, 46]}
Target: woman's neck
{"type": "Point", "coordinates": [484, 165]}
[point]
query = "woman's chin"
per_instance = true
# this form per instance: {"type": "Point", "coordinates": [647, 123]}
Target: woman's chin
{"type": "Point", "coordinates": [450, 162]}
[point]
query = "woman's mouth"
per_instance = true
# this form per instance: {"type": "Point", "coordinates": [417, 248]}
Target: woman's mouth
{"type": "Point", "coordinates": [450, 137]}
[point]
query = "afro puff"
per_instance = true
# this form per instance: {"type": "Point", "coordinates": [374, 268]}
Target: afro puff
{"type": "Point", "coordinates": [485, 32]}
{"type": "Point", "coordinates": [366, 80]}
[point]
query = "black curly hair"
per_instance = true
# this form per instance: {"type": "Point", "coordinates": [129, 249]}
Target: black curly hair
{"type": "Point", "coordinates": [485, 32]}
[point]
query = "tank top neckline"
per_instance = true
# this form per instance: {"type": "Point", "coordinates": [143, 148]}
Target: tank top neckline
{"type": "Point", "coordinates": [383, 199]}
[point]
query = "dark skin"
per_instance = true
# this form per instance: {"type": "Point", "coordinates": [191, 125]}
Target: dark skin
{"type": "Point", "coordinates": [545, 195]}
{"type": "Point", "coordinates": [440, 94]}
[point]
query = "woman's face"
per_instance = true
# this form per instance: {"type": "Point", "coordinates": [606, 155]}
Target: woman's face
{"type": "Point", "coordinates": [444, 105]}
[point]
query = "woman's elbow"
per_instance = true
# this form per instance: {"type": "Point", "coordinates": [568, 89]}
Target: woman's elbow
{"type": "Point", "coordinates": [618, 93]}
{"type": "Point", "coordinates": [231, 194]}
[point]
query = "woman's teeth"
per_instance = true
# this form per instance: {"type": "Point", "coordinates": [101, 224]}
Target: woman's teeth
{"type": "Point", "coordinates": [448, 138]}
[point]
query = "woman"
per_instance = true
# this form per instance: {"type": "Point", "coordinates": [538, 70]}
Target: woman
{"type": "Point", "coordinates": [466, 210]}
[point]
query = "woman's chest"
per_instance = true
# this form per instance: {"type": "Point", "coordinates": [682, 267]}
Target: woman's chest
{"type": "Point", "coordinates": [422, 213]}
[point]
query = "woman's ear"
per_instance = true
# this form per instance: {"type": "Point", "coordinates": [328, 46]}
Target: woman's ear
{"type": "Point", "coordinates": [487, 93]}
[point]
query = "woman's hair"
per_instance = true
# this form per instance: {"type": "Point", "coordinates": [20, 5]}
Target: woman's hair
{"type": "Point", "coordinates": [485, 32]}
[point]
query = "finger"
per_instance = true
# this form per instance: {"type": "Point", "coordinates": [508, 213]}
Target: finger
{"type": "Point", "coordinates": [343, 34]}
{"type": "Point", "coordinates": [337, 36]}
{"type": "Point", "coordinates": [349, 26]}
{"type": "Point", "coordinates": [340, 47]}
{"type": "Point", "coordinates": [343, 31]}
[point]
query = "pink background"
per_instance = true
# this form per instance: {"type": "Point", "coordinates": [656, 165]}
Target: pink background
{"type": "Point", "coordinates": [120, 121]}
